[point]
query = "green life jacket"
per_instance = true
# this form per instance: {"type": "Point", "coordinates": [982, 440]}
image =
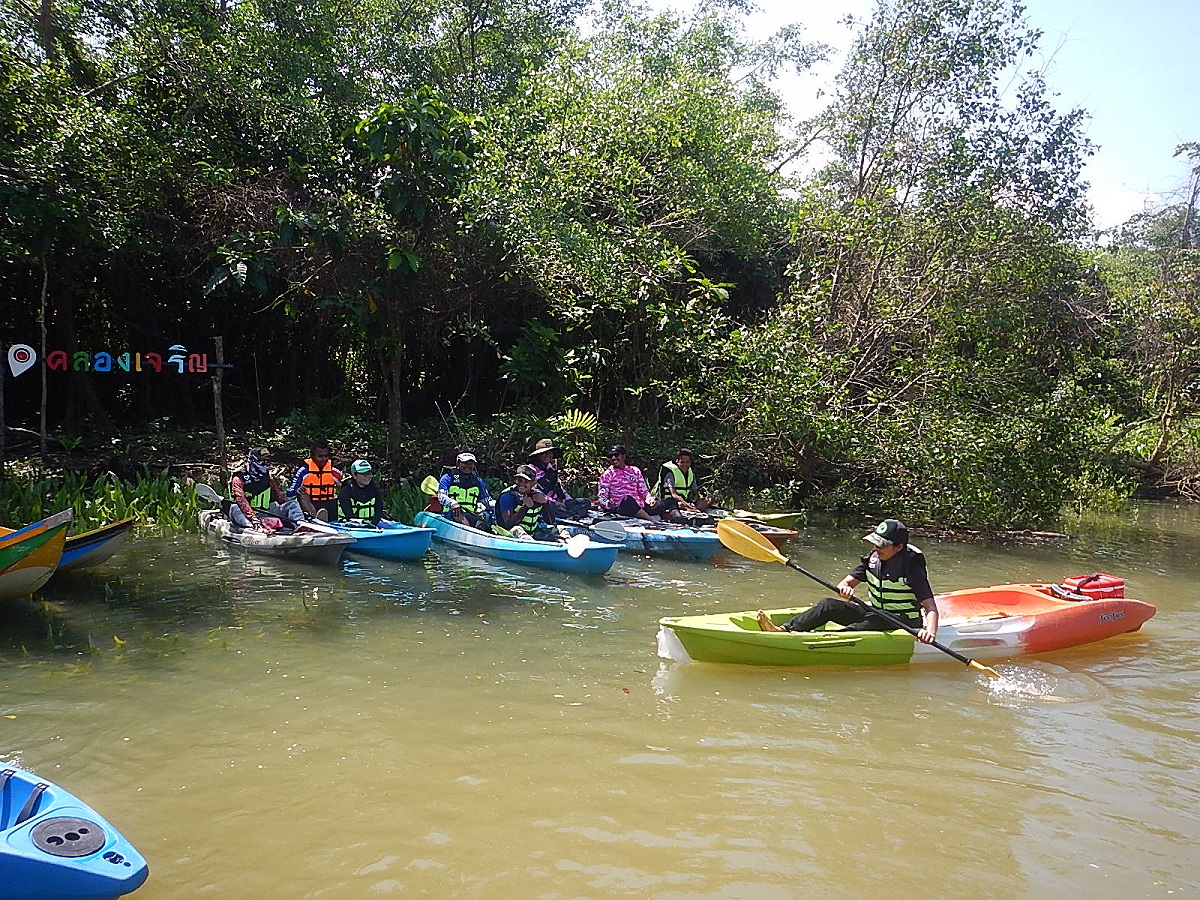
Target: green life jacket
{"type": "Point", "coordinates": [258, 492]}
{"type": "Point", "coordinates": [684, 483]}
{"type": "Point", "coordinates": [464, 489]}
{"type": "Point", "coordinates": [529, 521]}
{"type": "Point", "coordinates": [895, 595]}
{"type": "Point", "coordinates": [362, 509]}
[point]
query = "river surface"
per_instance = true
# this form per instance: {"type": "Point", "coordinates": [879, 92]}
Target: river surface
{"type": "Point", "coordinates": [458, 728]}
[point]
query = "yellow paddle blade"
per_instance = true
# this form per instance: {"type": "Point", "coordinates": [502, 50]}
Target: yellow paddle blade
{"type": "Point", "coordinates": [429, 486]}
{"type": "Point", "coordinates": [745, 541]}
{"type": "Point", "coordinates": [986, 670]}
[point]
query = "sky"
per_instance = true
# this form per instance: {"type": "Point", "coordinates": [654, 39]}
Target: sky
{"type": "Point", "coordinates": [1130, 64]}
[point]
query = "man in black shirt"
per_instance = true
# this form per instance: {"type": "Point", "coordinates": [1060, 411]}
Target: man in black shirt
{"type": "Point", "coordinates": [897, 581]}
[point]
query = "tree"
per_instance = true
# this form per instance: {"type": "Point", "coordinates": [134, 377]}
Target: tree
{"type": "Point", "coordinates": [935, 286]}
{"type": "Point", "coordinates": [630, 181]}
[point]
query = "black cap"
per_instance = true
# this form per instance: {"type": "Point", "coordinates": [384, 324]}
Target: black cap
{"type": "Point", "coordinates": [888, 532]}
{"type": "Point", "coordinates": [617, 448]}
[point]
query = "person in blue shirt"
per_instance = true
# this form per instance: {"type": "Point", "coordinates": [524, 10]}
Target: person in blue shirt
{"type": "Point", "coordinates": [524, 508]}
{"type": "Point", "coordinates": [464, 495]}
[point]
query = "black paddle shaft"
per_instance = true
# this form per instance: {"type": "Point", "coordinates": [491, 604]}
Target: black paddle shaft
{"type": "Point", "coordinates": [882, 613]}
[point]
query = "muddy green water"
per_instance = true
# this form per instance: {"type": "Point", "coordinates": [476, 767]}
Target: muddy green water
{"type": "Point", "coordinates": [458, 728]}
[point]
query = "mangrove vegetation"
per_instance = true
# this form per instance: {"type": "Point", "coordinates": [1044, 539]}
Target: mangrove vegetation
{"type": "Point", "coordinates": [426, 225]}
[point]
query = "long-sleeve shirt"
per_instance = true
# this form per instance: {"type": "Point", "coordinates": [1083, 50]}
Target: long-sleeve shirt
{"type": "Point", "coordinates": [617, 484]}
{"type": "Point", "coordinates": [547, 480]}
{"type": "Point", "coordinates": [444, 498]}
{"type": "Point", "coordinates": [237, 487]}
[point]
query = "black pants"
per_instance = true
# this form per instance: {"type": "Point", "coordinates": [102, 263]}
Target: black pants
{"type": "Point", "coordinates": [331, 508]}
{"type": "Point", "coordinates": [628, 507]}
{"type": "Point", "coordinates": [834, 609]}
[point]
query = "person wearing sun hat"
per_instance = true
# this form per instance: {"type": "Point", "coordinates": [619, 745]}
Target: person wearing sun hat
{"type": "Point", "coordinates": [542, 459]}
{"type": "Point", "coordinates": [897, 581]}
{"type": "Point", "coordinates": [360, 496]}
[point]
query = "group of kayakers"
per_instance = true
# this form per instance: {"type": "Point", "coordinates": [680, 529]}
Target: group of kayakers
{"type": "Point", "coordinates": [531, 506]}
{"type": "Point", "coordinates": [537, 499]}
{"type": "Point", "coordinates": [317, 490]}
{"type": "Point", "coordinates": [536, 502]}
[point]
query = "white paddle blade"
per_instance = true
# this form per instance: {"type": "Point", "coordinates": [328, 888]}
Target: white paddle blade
{"type": "Point", "coordinates": [609, 531]}
{"type": "Point", "coordinates": [576, 544]}
{"type": "Point", "coordinates": [204, 492]}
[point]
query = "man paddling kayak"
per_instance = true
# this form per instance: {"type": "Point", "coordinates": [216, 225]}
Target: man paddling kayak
{"type": "Point", "coordinates": [897, 581]}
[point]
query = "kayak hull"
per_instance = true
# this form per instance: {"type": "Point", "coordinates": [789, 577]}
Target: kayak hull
{"type": "Point", "coordinates": [29, 556]}
{"type": "Point", "coordinates": [391, 540]}
{"type": "Point", "coordinates": [778, 536]}
{"type": "Point", "coordinates": [53, 846]}
{"type": "Point", "coordinates": [95, 546]}
{"type": "Point", "coordinates": [995, 622]}
{"type": "Point", "coordinates": [666, 540]}
{"type": "Point", "coordinates": [596, 558]}
{"type": "Point", "coordinates": [317, 543]}
{"type": "Point", "coordinates": [685, 541]}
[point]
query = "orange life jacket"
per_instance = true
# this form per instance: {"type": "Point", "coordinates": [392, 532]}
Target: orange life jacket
{"type": "Point", "coordinates": [321, 484]}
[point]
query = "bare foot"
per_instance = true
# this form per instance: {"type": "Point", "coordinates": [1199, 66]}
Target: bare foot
{"type": "Point", "coordinates": [765, 623]}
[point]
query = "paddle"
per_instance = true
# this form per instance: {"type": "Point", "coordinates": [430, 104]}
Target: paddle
{"type": "Point", "coordinates": [429, 486]}
{"type": "Point", "coordinates": [745, 541]}
{"type": "Point", "coordinates": [207, 494]}
{"type": "Point", "coordinates": [606, 529]}
{"type": "Point", "coordinates": [576, 544]}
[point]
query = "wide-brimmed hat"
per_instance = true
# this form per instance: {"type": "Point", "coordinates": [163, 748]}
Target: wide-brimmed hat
{"type": "Point", "coordinates": [542, 446]}
{"type": "Point", "coordinates": [888, 532]}
{"type": "Point", "coordinates": [465, 457]}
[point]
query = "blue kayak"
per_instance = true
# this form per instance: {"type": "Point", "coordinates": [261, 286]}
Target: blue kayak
{"type": "Point", "coordinates": [95, 546]}
{"type": "Point", "coordinates": [670, 540]}
{"type": "Point", "coordinates": [53, 846]}
{"type": "Point", "coordinates": [388, 540]}
{"type": "Point", "coordinates": [594, 558]}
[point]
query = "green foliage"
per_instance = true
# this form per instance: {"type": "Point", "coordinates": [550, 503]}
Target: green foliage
{"type": "Point", "coordinates": [158, 502]}
{"type": "Point", "coordinates": [329, 420]}
{"type": "Point", "coordinates": [486, 224]}
{"type": "Point", "coordinates": [623, 180]}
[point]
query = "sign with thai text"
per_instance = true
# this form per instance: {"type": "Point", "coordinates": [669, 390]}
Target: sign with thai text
{"type": "Point", "coordinates": [22, 357]}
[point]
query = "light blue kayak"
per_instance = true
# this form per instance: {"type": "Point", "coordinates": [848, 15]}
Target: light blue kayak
{"type": "Point", "coordinates": [594, 558]}
{"type": "Point", "coordinates": [670, 540]}
{"type": "Point", "coordinates": [53, 846]}
{"type": "Point", "coordinates": [388, 540]}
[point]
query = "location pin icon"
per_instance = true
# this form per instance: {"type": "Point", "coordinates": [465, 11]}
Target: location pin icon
{"type": "Point", "coordinates": [20, 358]}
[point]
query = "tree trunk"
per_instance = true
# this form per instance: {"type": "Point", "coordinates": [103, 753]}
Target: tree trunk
{"type": "Point", "coordinates": [394, 417]}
